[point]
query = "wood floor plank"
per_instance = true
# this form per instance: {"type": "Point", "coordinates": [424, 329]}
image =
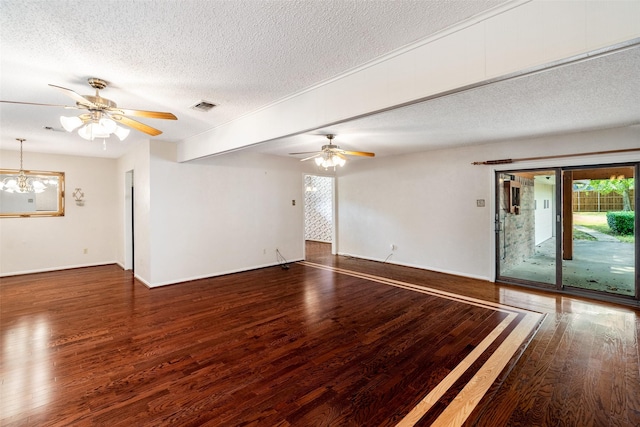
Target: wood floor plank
{"type": "Point", "coordinates": [516, 401]}
{"type": "Point", "coordinates": [632, 370]}
{"type": "Point", "coordinates": [301, 347]}
{"type": "Point", "coordinates": [155, 362]}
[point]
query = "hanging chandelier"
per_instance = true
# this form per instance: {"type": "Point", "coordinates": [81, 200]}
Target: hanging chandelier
{"type": "Point", "coordinates": [22, 183]}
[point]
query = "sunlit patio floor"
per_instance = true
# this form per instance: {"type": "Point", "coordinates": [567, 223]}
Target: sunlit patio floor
{"type": "Point", "coordinates": [606, 266]}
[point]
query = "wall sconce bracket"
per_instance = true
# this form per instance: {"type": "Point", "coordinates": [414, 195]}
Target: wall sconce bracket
{"type": "Point", "coordinates": [78, 196]}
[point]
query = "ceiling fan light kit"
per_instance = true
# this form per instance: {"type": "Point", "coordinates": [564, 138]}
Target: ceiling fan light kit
{"type": "Point", "coordinates": [94, 128]}
{"type": "Point", "coordinates": [328, 160]}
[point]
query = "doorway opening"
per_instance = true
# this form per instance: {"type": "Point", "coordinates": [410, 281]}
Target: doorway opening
{"type": "Point", "coordinates": [569, 229]}
{"type": "Point", "coordinates": [319, 214]}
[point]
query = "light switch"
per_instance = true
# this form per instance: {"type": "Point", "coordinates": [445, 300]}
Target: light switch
{"type": "Point", "coordinates": [480, 203]}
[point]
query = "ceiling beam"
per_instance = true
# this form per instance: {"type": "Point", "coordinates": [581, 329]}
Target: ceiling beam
{"type": "Point", "coordinates": [521, 38]}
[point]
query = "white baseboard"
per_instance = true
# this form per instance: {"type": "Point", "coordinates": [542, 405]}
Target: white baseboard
{"type": "Point", "coordinates": [422, 267]}
{"type": "Point", "coordinates": [66, 267]}
{"type": "Point", "coordinates": [210, 275]}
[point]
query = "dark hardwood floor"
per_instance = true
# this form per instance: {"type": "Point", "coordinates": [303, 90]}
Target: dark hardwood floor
{"type": "Point", "coordinates": [303, 346]}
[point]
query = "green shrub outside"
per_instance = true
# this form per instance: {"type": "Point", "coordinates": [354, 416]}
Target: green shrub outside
{"type": "Point", "coordinates": [621, 222]}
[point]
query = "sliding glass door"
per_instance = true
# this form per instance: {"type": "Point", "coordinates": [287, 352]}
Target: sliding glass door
{"type": "Point", "coordinates": [571, 229]}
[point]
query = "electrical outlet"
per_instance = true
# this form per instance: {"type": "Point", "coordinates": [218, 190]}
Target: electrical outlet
{"type": "Point", "coordinates": [293, 202]}
{"type": "Point", "coordinates": [393, 247]}
{"type": "Point", "coordinates": [480, 203]}
{"type": "Point", "coordinates": [85, 251]}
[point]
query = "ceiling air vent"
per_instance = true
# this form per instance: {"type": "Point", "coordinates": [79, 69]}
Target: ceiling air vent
{"type": "Point", "coordinates": [203, 106]}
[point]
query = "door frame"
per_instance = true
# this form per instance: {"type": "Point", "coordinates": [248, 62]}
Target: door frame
{"type": "Point", "coordinates": [334, 216]}
{"type": "Point", "coordinates": [129, 220]}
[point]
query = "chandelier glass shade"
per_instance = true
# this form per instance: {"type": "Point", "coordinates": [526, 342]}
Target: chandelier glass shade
{"type": "Point", "coordinates": [22, 183]}
{"type": "Point", "coordinates": [96, 126]}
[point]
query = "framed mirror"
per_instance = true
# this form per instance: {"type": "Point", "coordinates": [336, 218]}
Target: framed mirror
{"type": "Point", "coordinates": [31, 193]}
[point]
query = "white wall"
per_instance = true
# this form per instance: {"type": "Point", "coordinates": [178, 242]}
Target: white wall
{"type": "Point", "coordinates": [426, 203]}
{"type": "Point", "coordinates": [544, 223]}
{"type": "Point", "coordinates": [52, 243]}
{"type": "Point", "coordinates": [222, 214]}
{"type": "Point", "coordinates": [229, 213]}
{"type": "Point", "coordinates": [192, 220]}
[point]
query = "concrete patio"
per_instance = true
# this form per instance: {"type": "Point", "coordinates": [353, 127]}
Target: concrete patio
{"type": "Point", "coordinates": [604, 265]}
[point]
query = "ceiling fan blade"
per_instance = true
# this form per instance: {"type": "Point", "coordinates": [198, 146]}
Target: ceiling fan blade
{"type": "Point", "coordinates": [311, 157]}
{"type": "Point", "coordinates": [44, 105]}
{"type": "Point", "coordinates": [136, 125]}
{"type": "Point", "coordinates": [359, 153]}
{"type": "Point", "coordinates": [78, 98]}
{"type": "Point", "coordinates": [142, 113]}
{"type": "Point", "coordinates": [305, 152]}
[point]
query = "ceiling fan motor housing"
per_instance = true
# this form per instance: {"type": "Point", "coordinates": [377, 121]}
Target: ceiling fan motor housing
{"type": "Point", "coordinates": [97, 83]}
{"type": "Point", "coordinates": [100, 101]}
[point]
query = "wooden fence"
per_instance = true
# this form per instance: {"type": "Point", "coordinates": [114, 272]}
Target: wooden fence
{"type": "Point", "coordinates": [592, 201]}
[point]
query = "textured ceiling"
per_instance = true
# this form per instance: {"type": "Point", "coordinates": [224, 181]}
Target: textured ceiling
{"type": "Point", "coordinates": [169, 55]}
{"type": "Point", "coordinates": [598, 93]}
{"type": "Point", "coordinates": [243, 55]}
